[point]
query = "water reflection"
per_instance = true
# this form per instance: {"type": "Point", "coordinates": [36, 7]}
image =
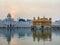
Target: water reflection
{"type": "Point", "coordinates": [9, 33]}
{"type": "Point", "coordinates": [45, 35]}
{"type": "Point", "coordinates": [28, 36]}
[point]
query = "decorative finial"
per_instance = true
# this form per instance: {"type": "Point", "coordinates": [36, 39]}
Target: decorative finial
{"type": "Point", "coordinates": [50, 19]}
{"type": "Point", "coordinates": [34, 18]}
{"type": "Point", "coordinates": [38, 18]}
{"type": "Point", "coordinates": [9, 15]}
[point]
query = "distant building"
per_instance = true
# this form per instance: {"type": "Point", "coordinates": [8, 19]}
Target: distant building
{"type": "Point", "coordinates": [23, 20]}
{"type": "Point", "coordinates": [10, 22]}
{"type": "Point", "coordinates": [56, 24]}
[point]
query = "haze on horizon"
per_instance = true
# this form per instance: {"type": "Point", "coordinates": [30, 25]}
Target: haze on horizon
{"type": "Point", "coordinates": [30, 8]}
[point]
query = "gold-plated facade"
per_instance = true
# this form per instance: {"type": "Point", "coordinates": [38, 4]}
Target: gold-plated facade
{"type": "Point", "coordinates": [41, 21]}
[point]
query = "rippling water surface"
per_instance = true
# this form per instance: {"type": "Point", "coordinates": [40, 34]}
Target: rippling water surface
{"type": "Point", "coordinates": [26, 36]}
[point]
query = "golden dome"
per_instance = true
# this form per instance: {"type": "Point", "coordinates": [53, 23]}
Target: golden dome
{"type": "Point", "coordinates": [44, 18]}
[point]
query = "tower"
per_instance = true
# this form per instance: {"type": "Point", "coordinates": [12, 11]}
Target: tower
{"type": "Point", "coordinates": [9, 16]}
{"type": "Point", "coordinates": [38, 18]}
{"type": "Point", "coordinates": [34, 18]}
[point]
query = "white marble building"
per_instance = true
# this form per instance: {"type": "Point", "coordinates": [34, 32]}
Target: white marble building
{"type": "Point", "coordinates": [56, 24]}
{"type": "Point", "coordinates": [9, 21]}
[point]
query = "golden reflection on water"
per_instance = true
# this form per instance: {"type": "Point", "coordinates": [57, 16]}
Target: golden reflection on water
{"type": "Point", "coordinates": [46, 35]}
{"type": "Point", "coordinates": [29, 37]}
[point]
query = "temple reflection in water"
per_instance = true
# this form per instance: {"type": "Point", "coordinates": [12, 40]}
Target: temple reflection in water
{"type": "Point", "coordinates": [9, 33]}
{"type": "Point", "coordinates": [46, 35]}
{"type": "Point", "coordinates": [28, 36]}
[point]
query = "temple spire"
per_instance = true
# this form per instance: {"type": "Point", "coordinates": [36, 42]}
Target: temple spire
{"type": "Point", "coordinates": [9, 15]}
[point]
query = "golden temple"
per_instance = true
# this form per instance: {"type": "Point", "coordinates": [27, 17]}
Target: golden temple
{"type": "Point", "coordinates": [41, 21]}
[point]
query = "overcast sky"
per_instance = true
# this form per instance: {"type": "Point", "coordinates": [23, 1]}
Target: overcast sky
{"type": "Point", "coordinates": [30, 8]}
